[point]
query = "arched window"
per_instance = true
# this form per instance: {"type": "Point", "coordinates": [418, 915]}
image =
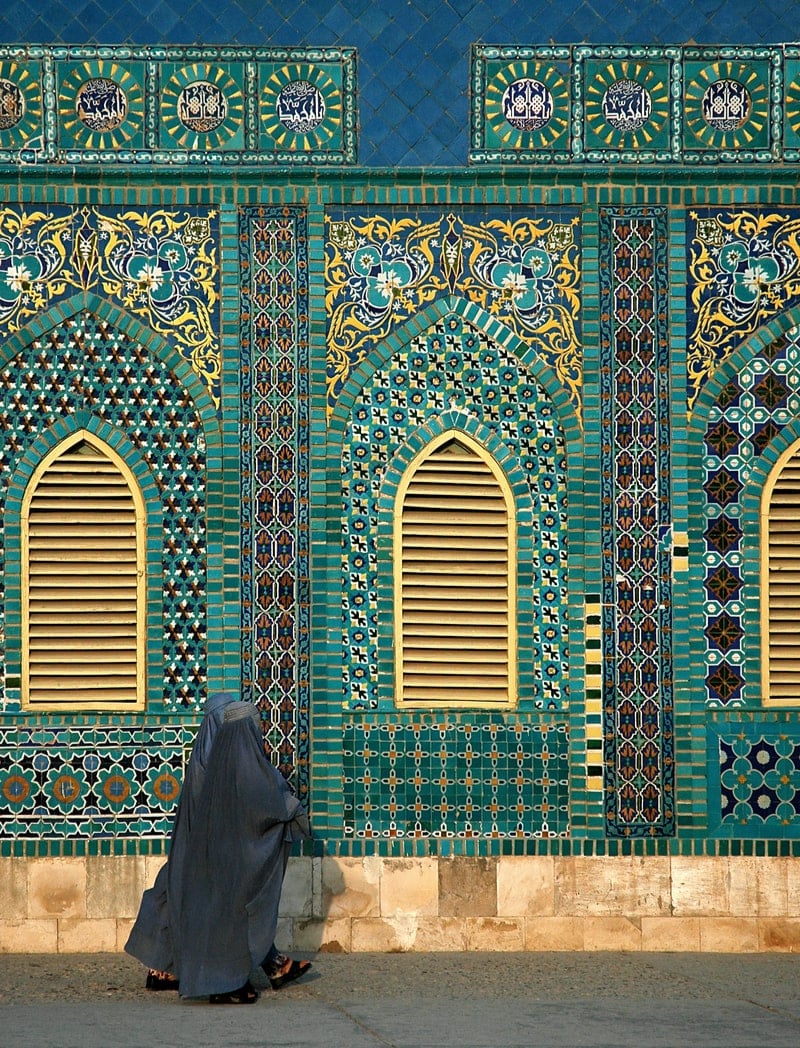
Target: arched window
{"type": "Point", "coordinates": [780, 581]}
{"type": "Point", "coordinates": [83, 581]}
{"type": "Point", "coordinates": [455, 578]}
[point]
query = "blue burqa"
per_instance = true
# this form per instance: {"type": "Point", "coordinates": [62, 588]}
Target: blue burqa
{"type": "Point", "coordinates": [243, 825]}
{"type": "Point", "coordinates": [151, 939]}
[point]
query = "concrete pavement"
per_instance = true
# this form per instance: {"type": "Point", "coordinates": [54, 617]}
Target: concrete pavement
{"type": "Point", "coordinates": [434, 1000]}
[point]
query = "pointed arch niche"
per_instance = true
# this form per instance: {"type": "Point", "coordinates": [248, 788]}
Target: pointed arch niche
{"type": "Point", "coordinates": [83, 546]}
{"type": "Point", "coordinates": [454, 547]}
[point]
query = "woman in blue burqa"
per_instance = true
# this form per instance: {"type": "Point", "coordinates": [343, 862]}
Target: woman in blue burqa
{"type": "Point", "coordinates": [210, 918]}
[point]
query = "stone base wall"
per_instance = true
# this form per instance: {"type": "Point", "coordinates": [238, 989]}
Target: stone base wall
{"type": "Point", "coordinates": [715, 904]}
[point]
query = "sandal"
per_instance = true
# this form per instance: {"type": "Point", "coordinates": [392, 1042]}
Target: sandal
{"type": "Point", "coordinates": [160, 980]}
{"type": "Point", "coordinates": [246, 994]}
{"type": "Point", "coordinates": [287, 971]}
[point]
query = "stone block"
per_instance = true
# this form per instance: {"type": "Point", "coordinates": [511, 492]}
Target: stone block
{"type": "Point", "coordinates": [316, 886]}
{"type": "Point", "coordinates": [77, 935]}
{"type": "Point", "coordinates": [553, 933]}
{"type": "Point", "coordinates": [114, 885]}
{"type": "Point", "coordinates": [325, 936]}
{"type": "Point", "coordinates": [383, 935]}
{"type": "Point", "coordinates": [611, 933]}
{"type": "Point", "coordinates": [729, 934]}
{"type": "Point", "coordinates": [700, 886]}
{"type": "Point", "coordinates": [124, 926]}
{"type": "Point", "coordinates": [152, 864]}
{"type": "Point", "coordinates": [495, 933]}
{"type": "Point", "coordinates": [351, 887]}
{"type": "Point", "coordinates": [296, 894]}
{"type": "Point", "coordinates": [779, 934]}
{"type": "Point", "coordinates": [22, 936]}
{"type": "Point", "coordinates": [284, 934]}
{"type": "Point", "coordinates": [758, 886]}
{"type": "Point", "coordinates": [57, 887]}
{"type": "Point", "coordinates": [13, 888]}
{"type": "Point", "coordinates": [467, 887]}
{"type": "Point", "coordinates": [792, 888]}
{"type": "Point", "coordinates": [525, 886]}
{"type": "Point", "coordinates": [678, 934]}
{"type": "Point", "coordinates": [611, 885]}
{"type": "Point", "coordinates": [409, 887]}
{"type": "Point", "coordinates": [438, 934]}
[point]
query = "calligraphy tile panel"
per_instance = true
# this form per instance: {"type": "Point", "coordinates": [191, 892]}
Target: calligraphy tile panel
{"type": "Point", "coordinates": [177, 105]}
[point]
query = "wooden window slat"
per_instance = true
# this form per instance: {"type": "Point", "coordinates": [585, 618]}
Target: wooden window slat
{"type": "Point", "coordinates": [84, 595]}
{"type": "Point", "coordinates": [454, 599]}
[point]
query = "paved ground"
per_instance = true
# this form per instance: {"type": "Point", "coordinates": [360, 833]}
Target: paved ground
{"type": "Point", "coordinates": [442, 1000]}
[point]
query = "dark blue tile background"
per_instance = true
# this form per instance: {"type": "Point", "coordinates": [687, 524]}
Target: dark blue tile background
{"type": "Point", "coordinates": [413, 54]}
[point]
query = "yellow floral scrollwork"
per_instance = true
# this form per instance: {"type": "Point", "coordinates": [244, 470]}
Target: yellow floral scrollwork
{"type": "Point", "coordinates": [159, 265]}
{"type": "Point", "coordinates": [380, 271]}
{"type": "Point", "coordinates": [33, 261]}
{"type": "Point", "coordinates": [169, 279]}
{"type": "Point", "coordinates": [744, 268]}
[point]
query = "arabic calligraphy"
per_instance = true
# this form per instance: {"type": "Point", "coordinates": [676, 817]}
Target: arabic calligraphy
{"type": "Point", "coordinates": [726, 105]}
{"type": "Point", "coordinates": [527, 104]}
{"type": "Point", "coordinates": [12, 105]}
{"type": "Point", "coordinates": [300, 106]}
{"type": "Point", "coordinates": [101, 104]}
{"type": "Point", "coordinates": [627, 105]}
{"type": "Point", "coordinates": [202, 106]}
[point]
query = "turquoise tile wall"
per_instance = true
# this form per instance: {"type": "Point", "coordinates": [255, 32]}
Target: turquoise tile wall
{"type": "Point", "coordinates": [620, 332]}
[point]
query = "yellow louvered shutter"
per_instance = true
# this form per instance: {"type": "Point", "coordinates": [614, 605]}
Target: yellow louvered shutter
{"type": "Point", "coordinates": [455, 592]}
{"type": "Point", "coordinates": [781, 580]}
{"type": "Point", "coordinates": [83, 604]}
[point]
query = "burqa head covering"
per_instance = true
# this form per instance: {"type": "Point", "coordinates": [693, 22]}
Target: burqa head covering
{"type": "Point", "coordinates": [244, 821]}
{"type": "Point", "coordinates": [240, 711]}
{"type": "Point", "coordinates": [151, 936]}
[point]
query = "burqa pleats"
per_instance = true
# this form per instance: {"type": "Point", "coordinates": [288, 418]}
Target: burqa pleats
{"type": "Point", "coordinates": [151, 938]}
{"type": "Point", "coordinates": [244, 821]}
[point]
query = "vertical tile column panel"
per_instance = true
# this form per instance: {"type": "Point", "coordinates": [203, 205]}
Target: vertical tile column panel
{"type": "Point", "coordinates": [273, 252]}
{"type": "Point", "coordinates": [327, 808]}
{"type": "Point", "coordinates": [586, 722]}
{"type": "Point", "coordinates": [690, 734]}
{"type": "Point", "coordinates": [223, 490]}
{"type": "Point", "coordinates": [636, 522]}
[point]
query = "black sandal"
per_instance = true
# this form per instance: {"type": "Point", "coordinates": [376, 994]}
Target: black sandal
{"type": "Point", "coordinates": [246, 994]}
{"type": "Point", "coordinates": [160, 981]}
{"type": "Point", "coordinates": [288, 974]}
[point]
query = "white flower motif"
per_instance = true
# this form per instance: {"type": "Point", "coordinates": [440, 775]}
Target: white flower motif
{"type": "Point", "coordinates": [387, 281]}
{"type": "Point", "coordinates": [150, 278]}
{"type": "Point", "coordinates": [755, 277]}
{"type": "Point", "coordinates": [731, 256]}
{"type": "Point", "coordinates": [515, 283]}
{"type": "Point", "coordinates": [19, 277]}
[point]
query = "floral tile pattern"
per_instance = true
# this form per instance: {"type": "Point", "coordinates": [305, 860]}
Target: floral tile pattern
{"type": "Point", "coordinates": [161, 266]}
{"type": "Point", "coordinates": [522, 268]}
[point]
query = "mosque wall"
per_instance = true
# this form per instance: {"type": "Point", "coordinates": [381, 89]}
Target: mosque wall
{"type": "Point", "coordinates": [598, 316]}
